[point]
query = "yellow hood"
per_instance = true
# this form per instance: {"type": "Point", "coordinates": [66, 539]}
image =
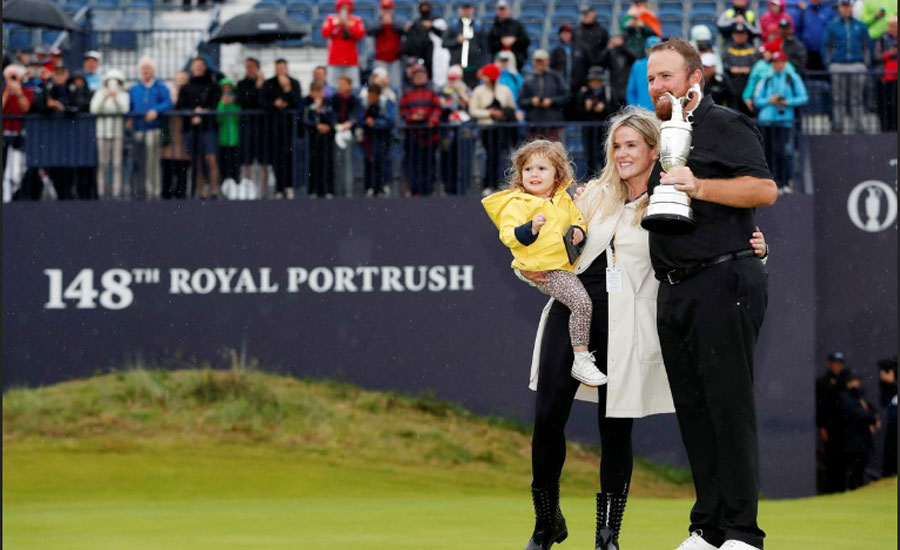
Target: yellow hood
{"type": "Point", "coordinates": [495, 203]}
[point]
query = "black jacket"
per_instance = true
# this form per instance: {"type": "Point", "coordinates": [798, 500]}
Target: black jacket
{"type": "Point", "coordinates": [551, 85]}
{"type": "Point", "coordinates": [199, 91]}
{"type": "Point", "coordinates": [592, 40]}
{"type": "Point", "coordinates": [600, 95]}
{"type": "Point", "coordinates": [579, 62]}
{"type": "Point", "coordinates": [416, 42]}
{"type": "Point", "coordinates": [73, 99]}
{"type": "Point", "coordinates": [248, 94]}
{"type": "Point", "coordinates": [618, 62]}
{"type": "Point", "coordinates": [719, 88]}
{"type": "Point", "coordinates": [479, 52]}
{"type": "Point", "coordinates": [856, 417]}
{"type": "Point", "coordinates": [271, 91]}
{"type": "Point", "coordinates": [509, 27]}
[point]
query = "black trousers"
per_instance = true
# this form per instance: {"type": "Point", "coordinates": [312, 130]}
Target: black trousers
{"type": "Point", "coordinates": [708, 326]}
{"type": "Point", "coordinates": [556, 392]}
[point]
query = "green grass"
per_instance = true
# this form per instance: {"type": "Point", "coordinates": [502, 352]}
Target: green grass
{"type": "Point", "coordinates": [199, 460]}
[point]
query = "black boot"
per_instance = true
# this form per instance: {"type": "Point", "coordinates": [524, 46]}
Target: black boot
{"type": "Point", "coordinates": [610, 509]}
{"type": "Point", "coordinates": [549, 523]}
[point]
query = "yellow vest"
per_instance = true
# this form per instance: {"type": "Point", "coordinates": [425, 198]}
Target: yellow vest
{"type": "Point", "coordinates": [511, 208]}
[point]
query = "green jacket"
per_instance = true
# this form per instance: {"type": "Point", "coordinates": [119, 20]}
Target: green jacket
{"type": "Point", "coordinates": [228, 124]}
{"type": "Point", "coordinates": [870, 10]}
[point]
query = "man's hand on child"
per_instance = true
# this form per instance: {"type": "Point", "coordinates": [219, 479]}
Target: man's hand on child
{"type": "Point", "coordinates": [577, 236]}
{"type": "Point", "coordinates": [578, 192]}
{"type": "Point", "coordinates": [537, 223]}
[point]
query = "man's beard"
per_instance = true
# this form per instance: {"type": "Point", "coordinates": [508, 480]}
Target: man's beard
{"type": "Point", "coordinates": [663, 108]}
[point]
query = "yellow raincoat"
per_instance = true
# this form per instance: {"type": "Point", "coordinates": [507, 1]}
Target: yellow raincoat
{"type": "Point", "coordinates": [511, 208]}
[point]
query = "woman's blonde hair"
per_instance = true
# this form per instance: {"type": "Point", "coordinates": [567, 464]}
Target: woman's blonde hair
{"type": "Point", "coordinates": [646, 124]}
{"type": "Point", "coordinates": [553, 151]}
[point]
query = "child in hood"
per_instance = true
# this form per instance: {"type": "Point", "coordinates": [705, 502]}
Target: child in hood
{"type": "Point", "coordinates": [229, 131]}
{"type": "Point", "coordinates": [535, 217]}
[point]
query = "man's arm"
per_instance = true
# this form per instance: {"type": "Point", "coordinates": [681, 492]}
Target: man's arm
{"type": "Point", "coordinates": [740, 192]}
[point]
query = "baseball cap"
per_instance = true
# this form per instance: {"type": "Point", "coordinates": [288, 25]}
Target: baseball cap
{"type": "Point", "coordinates": [596, 73]}
{"type": "Point", "coordinates": [540, 54]}
{"type": "Point", "coordinates": [565, 27]}
{"type": "Point", "coordinates": [779, 56]}
{"type": "Point", "coordinates": [836, 356]}
{"type": "Point", "coordinates": [387, 3]}
{"type": "Point", "coordinates": [586, 8]}
{"type": "Point", "coordinates": [502, 4]}
{"type": "Point", "coordinates": [455, 72]}
{"type": "Point", "coordinates": [93, 54]}
{"type": "Point", "coordinates": [708, 59]}
{"type": "Point", "coordinates": [847, 2]}
{"type": "Point", "coordinates": [418, 68]}
{"type": "Point", "coordinates": [505, 55]}
{"type": "Point", "coordinates": [783, 22]}
{"type": "Point", "coordinates": [652, 41]}
{"type": "Point", "coordinates": [740, 27]}
{"type": "Point", "coordinates": [491, 71]}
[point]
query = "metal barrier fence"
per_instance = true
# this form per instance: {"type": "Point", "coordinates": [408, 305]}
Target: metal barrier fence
{"type": "Point", "coordinates": [849, 103]}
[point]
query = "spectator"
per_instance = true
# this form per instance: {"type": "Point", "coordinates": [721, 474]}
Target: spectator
{"type": "Point", "coordinates": [760, 71]}
{"type": "Point", "coordinates": [617, 59]}
{"type": "Point", "coordinates": [56, 58]}
{"type": "Point", "coordinates": [886, 53]}
{"type": "Point", "coordinates": [344, 30]}
{"type": "Point", "coordinates": [344, 107]}
{"type": "Point", "coordinates": [281, 96]}
{"type": "Point", "coordinates": [85, 176]}
{"type": "Point", "coordinates": [376, 114]}
{"type": "Point", "coordinates": [229, 119]}
{"type": "Point", "coordinates": [637, 92]}
{"type": "Point", "coordinates": [737, 14]}
{"type": "Point", "coordinates": [420, 108]}
{"type": "Point", "coordinates": [318, 125]}
{"type": "Point", "coordinates": [791, 46]}
{"type": "Point", "coordinates": [702, 39]}
{"type": "Point", "coordinates": [739, 57]}
{"type": "Point", "coordinates": [858, 424]}
{"type": "Point", "coordinates": [776, 98]}
{"type": "Point", "coordinates": [91, 67]}
{"type": "Point", "coordinates": [380, 76]}
{"type": "Point", "coordinates": [320, 74]}
{"type": "Point", "coordinates": [594, 103]}
{"type": "Point", "coordinates": [768, 23]}
{"type": "Point", "coordinates": [638, 24]}
{"type": "Point", "coordinates": [887, 387]}
{"type": "Point", "coordinates": [491, 103]}
{"type": "Point", "coordinates": [111, 102]}
{"type": "Point", "coordinates": [846, 51]}
{"type": "Point", "coordinates": [419, 44]}
{"type": "Point", "coordinates": [36, 76]}
{"type": "Point", "coordinates": [55, 101]}
{"type": "Point", "coordinates": [812, 21]}
{"type": "Point", "coordinates": [508, 34]}
{"type": "Point", "coordinates": [252, 138]}
{"type": "Point", "coordinates": [388, 32]}
{"type": "Point", "coordinates": [175, 159]}
{"type": "Point", "coordinates": [509, 75]}
{"type": "Point", "coordinates": [543, 97]}
{"type": "Point", "coordinates": [876, 14]}
{"type": "Point", "coordinates": [468, 43]}
{"type": "Point", "coordinates": [201, 95]}
{"type": "Point", "coordinates": [456, 141]}
{"type": "Point", "coordinates": [569, 61]}
{"type": "Point", "coordinates": [149, 99]}
{"type": "Point", "coordinates": [717, 86]}
{"type": "Point", "coordinates": [828, 425]}
{"type": "Point", "coordinates": [591, 39]}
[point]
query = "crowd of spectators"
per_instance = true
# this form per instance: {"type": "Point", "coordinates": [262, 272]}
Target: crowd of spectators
{"type": "Point", "coordinates": [432, 77]}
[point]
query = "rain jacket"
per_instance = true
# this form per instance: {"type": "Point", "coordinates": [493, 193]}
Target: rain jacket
{"type": "Point", "coordinates": [342, 50]}
{"type": "Point", "coordinates": [154, 97]}
{"type": "Point", "coordinates": [110, 127]}
{"type": "Point", "coordinates": [768, 22]}
{"type": "Point", "coordinates": [760, 71]}
{"type": "Point", "coordinates": [512, 211]}
{"type": "Point", "coordinates": [790, 85]}
{"type": "Point", "coordinates": [846, 41]}
{"type": "Point", "coordinates": [811, 25]}
{"type": "Point", "coordinates": [870, 9]}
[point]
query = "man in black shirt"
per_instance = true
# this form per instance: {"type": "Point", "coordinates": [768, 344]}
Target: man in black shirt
{"type": "Point", "coordinates": [711, 303]}
{"type": "Point", "coordinates": [252, 126]}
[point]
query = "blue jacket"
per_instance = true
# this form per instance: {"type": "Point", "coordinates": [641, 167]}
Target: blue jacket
{"type": "Point", "coordinates": [847, 41]}
{"type": "Point", "coordinates": [144, 99]}
{"type": "Point", "coordinates": [784, 83]}
{"type": "Point", "coordinates": [513, 81]}
{"type": "Point", "coordinates": [637, 92]}
{"type": "Point", "coordinates": [810, 25]}
{"type": "Point", "coordinates": [760, 71]}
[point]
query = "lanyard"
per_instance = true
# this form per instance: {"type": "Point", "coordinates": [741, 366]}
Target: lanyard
{"type": "Point", "coordinates": [612, 247]}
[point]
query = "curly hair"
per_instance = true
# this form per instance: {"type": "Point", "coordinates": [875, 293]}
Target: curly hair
{"type": "Point", "coordinates": [553, 151]}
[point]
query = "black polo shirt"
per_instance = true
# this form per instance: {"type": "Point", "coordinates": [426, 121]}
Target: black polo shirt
{"type": "Point", "coordinates": [725, 144]}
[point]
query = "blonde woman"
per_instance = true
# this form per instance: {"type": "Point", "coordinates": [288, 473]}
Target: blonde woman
{"type": "Point", "coordinates": [614, 268]}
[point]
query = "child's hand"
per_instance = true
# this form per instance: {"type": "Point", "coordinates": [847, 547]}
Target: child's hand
{"type": "Point", "coordinates": [537, 223]}
{"type": "Point", "coordinates": [578, 192]}
{"type": "Point", "coordinates": [577, 236]}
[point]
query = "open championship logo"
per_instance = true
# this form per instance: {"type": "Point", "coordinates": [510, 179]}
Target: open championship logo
{"type": "Point", "coordinates": [877, 201]}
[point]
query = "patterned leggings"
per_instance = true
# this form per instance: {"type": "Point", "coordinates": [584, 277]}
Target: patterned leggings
{"type": "Point", "coordinates": [565, 287]}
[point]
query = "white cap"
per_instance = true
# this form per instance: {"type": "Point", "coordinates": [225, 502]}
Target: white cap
{"type": "Point", "coordinates": [708, 59]}
{"type": "Point", "coordinates": [95, 54]}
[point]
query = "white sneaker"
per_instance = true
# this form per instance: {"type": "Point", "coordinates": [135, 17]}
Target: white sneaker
{"type": "Point", "coordinates": [585, 370]}
{"type": "Point", "coordinates": [737, 545]}
{"type": "Point", "coordinates": [370, 193]}
{"type": "Point", "coordinates": [696, 542]}
{"type": "Point", "coordinates": [289, 193]}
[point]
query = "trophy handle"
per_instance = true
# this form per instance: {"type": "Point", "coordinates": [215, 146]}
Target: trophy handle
{"type": "Point", "coordinates": [694, 90]}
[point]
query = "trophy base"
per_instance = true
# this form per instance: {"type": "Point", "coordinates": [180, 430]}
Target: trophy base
{"type": "Point", "coordinates": [669, 218]}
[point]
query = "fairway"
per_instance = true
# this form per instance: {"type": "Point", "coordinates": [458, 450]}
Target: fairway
{"type": "Point", "coordinates": [217, 461]}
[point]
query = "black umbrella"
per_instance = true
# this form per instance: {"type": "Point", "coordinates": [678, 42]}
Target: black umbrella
{"type": "Point", "coordinates": [37, 13]}
{"type": "Point", "coordinates": [258, 26]}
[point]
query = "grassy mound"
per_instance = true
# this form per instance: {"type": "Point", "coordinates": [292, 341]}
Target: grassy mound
{"type": "Point", "coordinates": [312, 422]}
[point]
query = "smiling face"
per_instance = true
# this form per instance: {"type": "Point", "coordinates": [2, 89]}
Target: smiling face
{"type": "Point", "coordinates": [667, 72]}
{"type": "Point", "coordinates": [539, 176]}
{"type": "Point", "coordinates": [632, 155]}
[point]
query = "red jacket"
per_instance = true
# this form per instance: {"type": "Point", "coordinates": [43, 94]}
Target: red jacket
{"type": "Point", "coordinates": [342, 50]}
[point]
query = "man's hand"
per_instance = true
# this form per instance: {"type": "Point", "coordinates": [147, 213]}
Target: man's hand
{"type": "Point", "coordinates": [323, 128]}
{"type": "Point", "coordinates": [370, 122]}
{"type": "Point", "coordinates": [537, 223]}
{"type": "Point", "coordinates": [749, 104]}
{"type": "Point", "coordinates": [823, 435]}
{"type": "Point", "coordinates": [151, 115]}
{"type": "Point", "coordinates": [260, 80]}
{"type": "Point", "coordinates": [496, 114]}
{"type": "Point", "coordinates": [577, 236]}
{"type": "Point", "coordinates": [615, 42]}
{"type": "Point", "coordinates": [546, 102]}
{"type": "Point", "coordinates": [55, 104]}
{"type": "Point", "coordinates": [427, 24]}
{"type": "Point", "coordinates": [535, 101]}
{"type": "Point", "coordinates": [758, 243]}
{"type": "Point", "coordinates": [279, 103]}
{"type": "Point", "coordinates": [887, 376]}
{"type": "Point", "coordinates": [536, 276]}
{"type": "Point", "coordinates": [599, 107]}
{"type": "Point", "coordinates": [683, 180]}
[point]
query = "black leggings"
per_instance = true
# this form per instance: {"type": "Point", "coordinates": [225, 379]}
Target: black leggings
{"type": "Point", "coordinates": [556, 392]}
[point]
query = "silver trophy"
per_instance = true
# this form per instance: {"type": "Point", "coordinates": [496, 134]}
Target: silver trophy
{"type": "Point", "coordinates": [670, 210]}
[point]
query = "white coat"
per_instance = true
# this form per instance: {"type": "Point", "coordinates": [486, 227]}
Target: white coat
{"type": "Point", "coordinates": [109, 127]}
{"type": "Point", "coordinates": [637, 382]}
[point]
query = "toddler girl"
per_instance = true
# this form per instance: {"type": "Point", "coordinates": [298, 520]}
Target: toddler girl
{"type": "Point", "coordinates": [533, 217]}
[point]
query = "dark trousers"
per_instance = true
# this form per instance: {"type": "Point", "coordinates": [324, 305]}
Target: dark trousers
{"type": "Point", "coordinates": [495, 142]}
{"type": "Point", "coordinates": [855, 475]}
{"type": "Point", "coordinates": [174, 178]}
{"type": "Point", "coordinates": [708, 326]}
{"type": "Point", "coordinates": [556, 392]}
{"type": "Point", "coordinates": [420, 166]}
{"type": "Point", "coordinates": [228, 160]}
{"type": "Point", "coordinates": [456, 160]}
{"type": "Point", "coordinates": [321, 164]}
{"type": "Point", "coordinates": [63, 178]}
{"type": "Point", "coordinates": [778, 144]}
{"type": "Point", "coordinates": [377, 168]}
{"type": "Point", "coordinates": [887, 105]}
{"type": "Point", "coordinates": [592, 138]}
